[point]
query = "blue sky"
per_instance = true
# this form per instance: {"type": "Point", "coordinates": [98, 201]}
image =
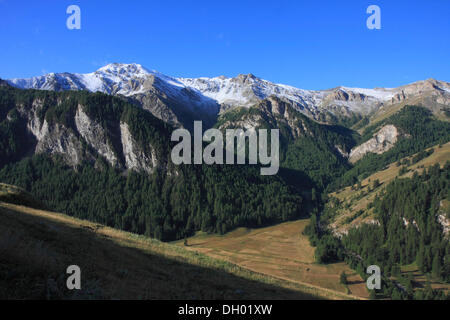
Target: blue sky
{"type": "Point", "coordinates": [307, 44]}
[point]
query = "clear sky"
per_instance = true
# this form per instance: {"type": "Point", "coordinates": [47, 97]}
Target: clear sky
{"type": "Point", "coordinates": [308, 44]}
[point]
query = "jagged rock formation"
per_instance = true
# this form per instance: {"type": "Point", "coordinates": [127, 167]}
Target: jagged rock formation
{"type": "Point", "coordinates": [135, 158]}
{"type": "Point", "coordinates": [273, 111]}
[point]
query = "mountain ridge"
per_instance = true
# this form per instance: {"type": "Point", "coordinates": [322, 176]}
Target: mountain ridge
{"type": "Point", "coordinates": [180, 100]}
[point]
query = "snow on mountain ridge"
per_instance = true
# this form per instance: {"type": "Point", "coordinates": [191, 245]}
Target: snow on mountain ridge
{"type": "Point", "coordinates": [246, 90]}
{"type": "Point", "coordinates": [241, 91]}
{"type": "Point", "coordinates": [379, 93]}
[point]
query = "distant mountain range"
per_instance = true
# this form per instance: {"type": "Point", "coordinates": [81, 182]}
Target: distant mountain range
{"type": "Point", "coordinates": [178, 101]}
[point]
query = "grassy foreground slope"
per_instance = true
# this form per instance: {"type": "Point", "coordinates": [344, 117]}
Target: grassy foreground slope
{"type": "Point", "coordinates": [37, 246]}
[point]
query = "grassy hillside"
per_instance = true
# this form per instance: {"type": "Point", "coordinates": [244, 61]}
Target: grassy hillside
{"type": "Point", "coordinates": [37, 246]}
{"type": "Point", "coordinates": [438, 110]}
{"type": "Point", "coordinates": [354, 200]}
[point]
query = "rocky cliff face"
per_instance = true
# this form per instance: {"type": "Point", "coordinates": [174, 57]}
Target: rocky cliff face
{"type": "Point", "coordinates": [50, 138]}
{"type": "Point", "coordinates": [135, 157]}
{"type": "Point", "coordinates": [81, 138]}
{"type": "Point", "coordinates": [94, 134]}
{"type": "Point", "coordinates": [381, 142]}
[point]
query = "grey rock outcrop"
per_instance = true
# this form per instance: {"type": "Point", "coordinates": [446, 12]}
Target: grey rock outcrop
{"type": "Point", "coordinates": [381, 142]}
{"type": "Point", "coordinates": [95, 135]}
{"type": "Point", "coordinates": [135, 157]}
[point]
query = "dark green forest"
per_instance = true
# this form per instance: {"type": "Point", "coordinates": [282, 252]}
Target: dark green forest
{"type": "Point", "coordinates": [409, 230]}
{"type": "Point", "coordinates": [213, 199]}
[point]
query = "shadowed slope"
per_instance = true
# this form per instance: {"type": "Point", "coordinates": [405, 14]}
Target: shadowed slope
{"type": "Point", "coordinates": [37, 246]}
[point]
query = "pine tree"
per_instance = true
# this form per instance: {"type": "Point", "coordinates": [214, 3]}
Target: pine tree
{"type": "Point", "coordinates": [437, 266]}
{"type": "Point", "coordinates": [376, 183]}
{"type": "Point", "coordinates": [421, 258]}
{"type": "Point", "coordinates": [343, 278]}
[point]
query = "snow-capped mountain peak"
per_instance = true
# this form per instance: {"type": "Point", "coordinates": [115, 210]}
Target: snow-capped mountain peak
{"type": "Point", "coordinates": [124, 69]}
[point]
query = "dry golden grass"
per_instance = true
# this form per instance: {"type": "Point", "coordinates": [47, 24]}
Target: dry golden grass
{"type": "Point", "coordinates": [37, 246]}
{"type": "Point", "coordinates": [283, 252]}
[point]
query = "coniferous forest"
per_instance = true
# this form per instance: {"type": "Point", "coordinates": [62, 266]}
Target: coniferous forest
{"type": "Point", "coordinates": [212, 199]}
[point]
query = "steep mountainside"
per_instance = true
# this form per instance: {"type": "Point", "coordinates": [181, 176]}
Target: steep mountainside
{"type": "Point", "coordinates": [310, 151]}
{"type": "Point", "coordinates": [99, 157]}
{"type": "Point", "coordinates": [398, 219]}
{"type": "Point", "coordinates": [71, 125]}
{"type": "Point", "coordinates": [163, 96]}
{"type": "Point", "coordinates": [352, 205]}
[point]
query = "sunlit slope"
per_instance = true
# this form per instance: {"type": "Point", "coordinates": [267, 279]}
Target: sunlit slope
{"type": "Point", "coordinates": [354, 200]}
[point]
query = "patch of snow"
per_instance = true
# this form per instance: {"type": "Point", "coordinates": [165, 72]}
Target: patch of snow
{"type": "Point", "coordinates": [380, 94]}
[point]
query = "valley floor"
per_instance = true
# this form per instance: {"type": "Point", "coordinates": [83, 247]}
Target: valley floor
{"type": "Point", "coordinates": [280, 251]}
